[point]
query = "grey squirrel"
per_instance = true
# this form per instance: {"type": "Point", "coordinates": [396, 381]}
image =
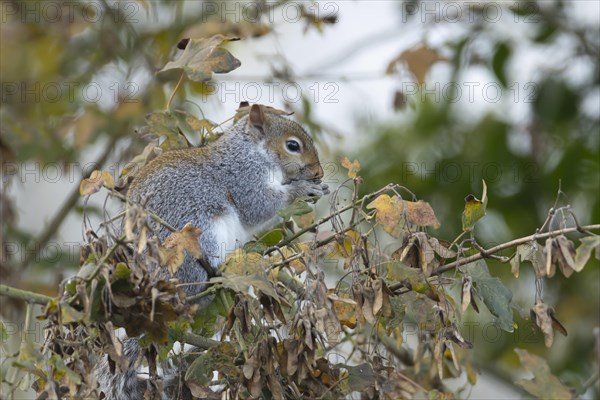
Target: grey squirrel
{"type": "Point", "coordinates": [231, 189]}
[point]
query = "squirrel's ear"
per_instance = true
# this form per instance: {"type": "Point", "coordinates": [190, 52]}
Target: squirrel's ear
{"type": "Point", "coordinates": [257, 117]}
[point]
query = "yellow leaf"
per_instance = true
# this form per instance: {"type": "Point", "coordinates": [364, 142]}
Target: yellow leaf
{"type": "Point", "coordinates": [474, 209]}
{"type": "Point", "coordinates": [352, 167]}
{"type": "Point", "coordinates": [345, 310]}
{"type": "Point", "coordinates": [95, 182]}
{"type": "Point", "coordinates": [389, 213]}
{"type": "Point", "coordinates": [239, 262]}
{"type": "Point", "coordinates": [304, 220]}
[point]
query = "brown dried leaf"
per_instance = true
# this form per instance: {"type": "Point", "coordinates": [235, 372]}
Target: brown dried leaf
{"type": "Point", "coordinates": [203, 57]}
{"type": "Point", "coordinates": [418, 60]}
{"type": "Point", "coordinates": [467, 287]}
{"type": "Point", "coordinates": [442, 250]}
{"type": "Point", "coordinates": [453, 334]}
{"type": "Point", "coordinates": [584, 251]}
{"type": "Point", "coordinates": [171, 253]}
{"type": "Point", "coordinates": [426, 254]}
{"type": "Point", "coordinates": [420, 213]}
{"type": "Point", "coordinates": [304, 220]}
{"type": "Point", "coordinates": [566, 255]}
{"type": "Point", "coordinates": [540, 314]}
{"type": "Point", "coordinates": [368, 304]}
{"type": "Point", "coordinates": [438, 356]}
{"type": "Point", "coordinates": [142, 240]}
{"type": "Point", "coordinates": [544, 317]}
{"type": "Point", "coordinates": [189, 238]}
{"type": "Point", "coordinates": [392, 210]}
{"type": "Point", "coordinates": [531, 252]}
{"type": "Point", "coordinates": [289, 362]}
{"type": "Point", "coordinates": [548, 253]}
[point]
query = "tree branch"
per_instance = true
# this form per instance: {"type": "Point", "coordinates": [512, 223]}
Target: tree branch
{"type": "Point", "coordinates": [508, 245]}
{"type": "Point", "coordinates": [24, 295]}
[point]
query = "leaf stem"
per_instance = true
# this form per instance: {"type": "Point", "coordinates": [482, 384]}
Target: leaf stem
{"type": "Point", "coordinates": [174, 91]}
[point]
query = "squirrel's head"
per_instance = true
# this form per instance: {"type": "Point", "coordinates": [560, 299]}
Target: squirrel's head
{"type": "Point", "coordinates": [288, 141]}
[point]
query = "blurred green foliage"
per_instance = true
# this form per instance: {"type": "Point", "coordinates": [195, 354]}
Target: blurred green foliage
{"type": "Point", "coordinates": [442, 155]}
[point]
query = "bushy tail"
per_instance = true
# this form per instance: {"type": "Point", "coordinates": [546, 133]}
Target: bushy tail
{"type": "Point", "coordinates": [133, 385]}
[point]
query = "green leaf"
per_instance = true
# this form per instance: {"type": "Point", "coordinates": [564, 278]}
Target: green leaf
{"type": "Point", "coordinates": [69, 314]}
{"type": "Point", "coordinates": [174, 334]}
{"type": "Point", "coordinates": [121, 271]}
{"type": "Point", "coordinates": [205, 323]}
{"type": "Point", "coordinates": [496, 296]}
{"type": "Point", "coordinates": [501, 55]}
{"type": "Point", "coordinates": [70, 377]}
{"type": "Point", "coordinates": [242, 283]}
{"type": "Point", "coordinates": [3, 333]}
{"type": "Point", "coordinates": [555, 102]}
{"type": "Point", "coordinates": [203, 57]}
{"type": "Point", "coordinates": [546, 31]}
{"type": "Point", "coordinates": [398, 272]}
{"type": "Point", "coordinates": [544, 384]}
{"type": "Point", "coordinates": [474, 209]}
{"type": "Point", "coordinates": [255, 246]}
{"type": "Point", "coordinates": [359, 376]}
{"type": "Point", "coordinates": [200, 373]}
{"type": "Point", "coordinates": [86, 271]}
{"type": "Point", "coordinates": [298, 207]}
{"type": "Point", "coordinates": [163, 123]}
{"type": "Point", "coordinates": [272, 238]}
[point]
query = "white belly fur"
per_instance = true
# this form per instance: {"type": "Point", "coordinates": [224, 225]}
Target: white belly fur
{"type": "Point", "coordinates": [230, 233]}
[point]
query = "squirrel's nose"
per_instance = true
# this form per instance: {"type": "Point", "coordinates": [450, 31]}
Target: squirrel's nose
{"type": "Point", "coordinates": [317, 171]}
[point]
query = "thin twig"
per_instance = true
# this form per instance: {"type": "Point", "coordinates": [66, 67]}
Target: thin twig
{"type": "Point", "coordinates": [508, 245]}
{"type": "Point", "coordinates": [327, 218]}
{"type": "Point", "coordinates": [66, 208]}
{"type": "Point", "coordinates": [152, 215]}
{"type": "Point", "coordinates": [198, 341]}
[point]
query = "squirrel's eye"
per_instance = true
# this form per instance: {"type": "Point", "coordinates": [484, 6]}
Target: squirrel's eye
{"type": "Point", "coordinates": [293, 146]}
